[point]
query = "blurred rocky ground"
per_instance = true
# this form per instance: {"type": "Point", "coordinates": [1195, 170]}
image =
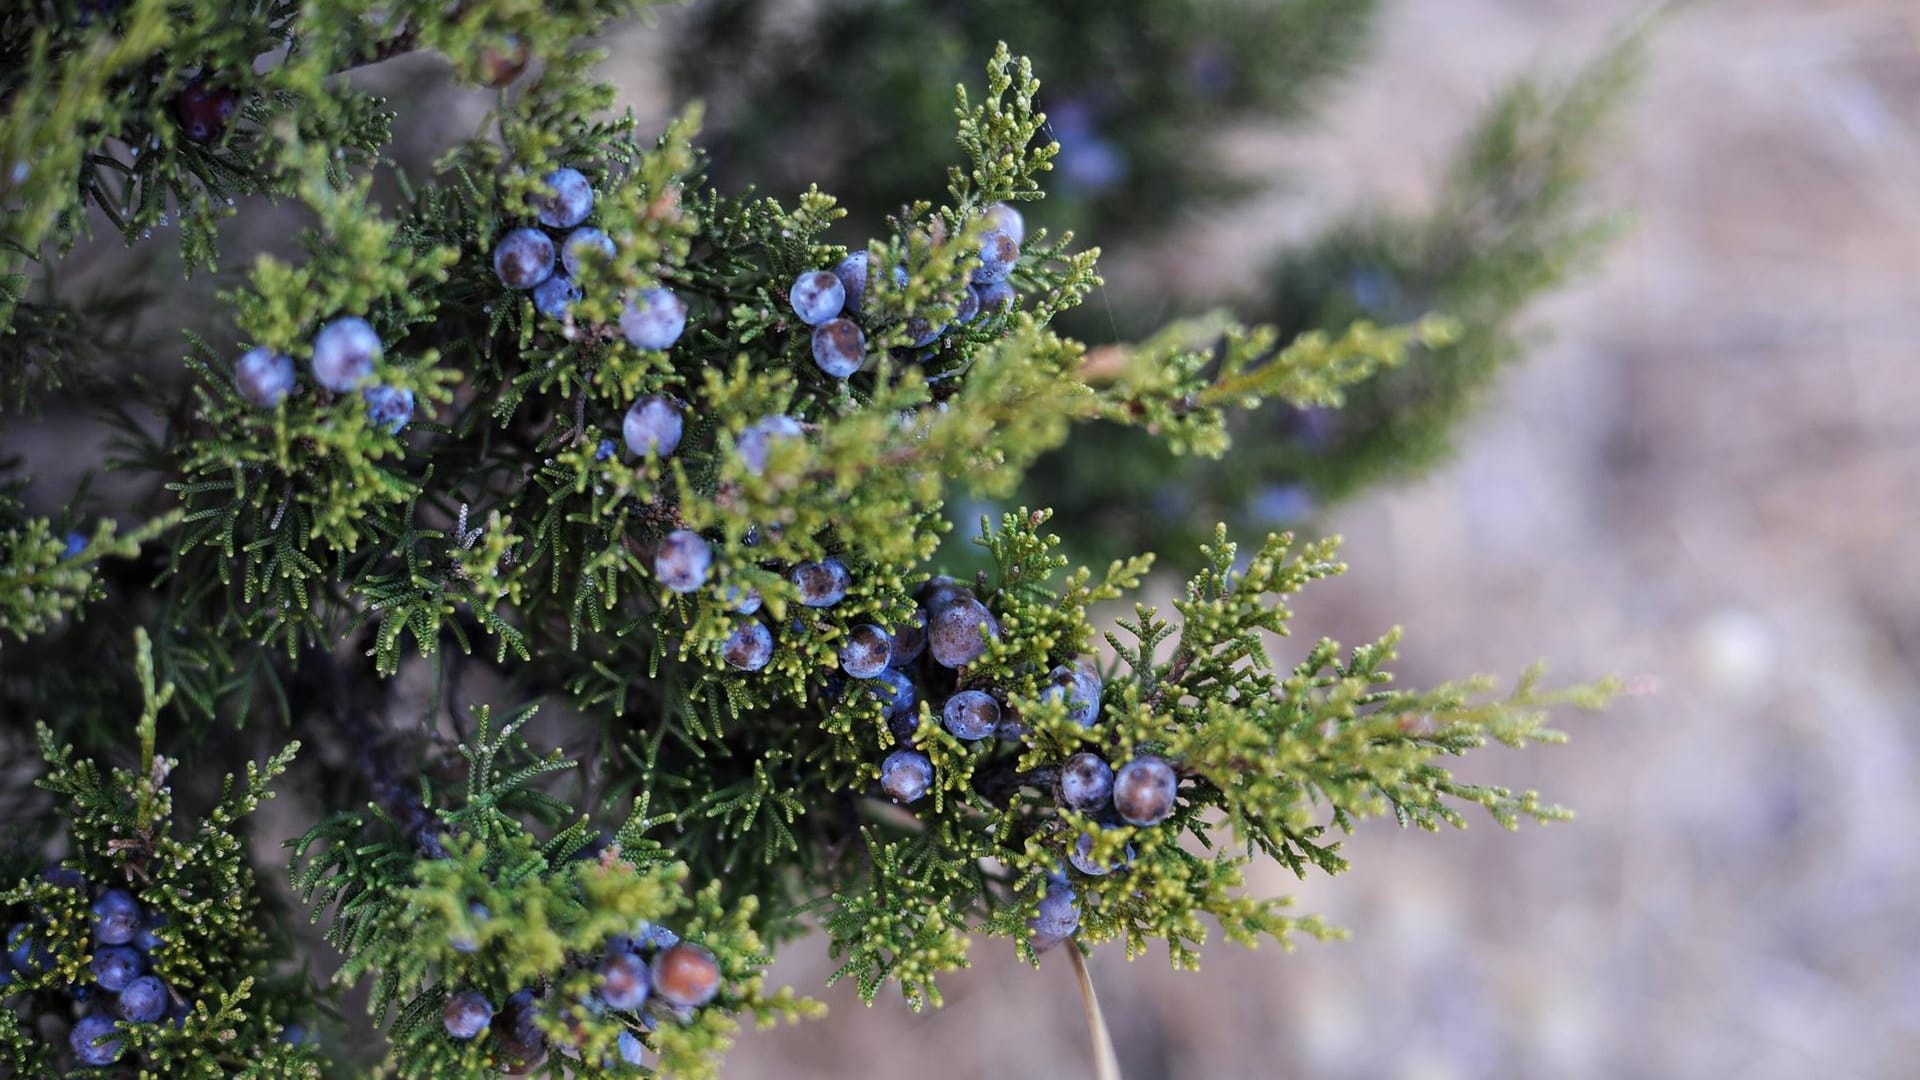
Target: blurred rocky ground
{"type": "Point", "coordinates": [1708, 480]}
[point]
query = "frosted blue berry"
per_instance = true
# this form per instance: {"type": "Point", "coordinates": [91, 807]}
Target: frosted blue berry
{"type": "Point", "coordinates": [523, 258]}
{"type": "Point", "coordinates": [567, 200]}
{"type": "Point", "coordinates": [624, 980]}
{"type": "Point", "coordinates": [817, 296]}
{"type": "Point", "coordinates": [263, 377]}
{"type": "Point", "coordinates": [555, 297]}
{"type": "Point", "coordinates": [116, 917]}
{"type": "Point", "coordinates": [954, 633]}
{"type": "Point", "coordinates": [906, 775]}
{"type": "Point", "coordinates": [909, 640]}
{"type": "Point", "coordinates": [998, 253]}
{"type": "Point", "coordinates": [653, 424]}
{"type": "Point", "coordinates": [758, 439]}
{"type": "Point", "coordinates": [632, 1050]}
{"type": "Point", "coordinates": [114, 966]}
{"type": "Point", "coordinates": [1006, 219]}
{"type": "Point", "coordinates": [467, 1014]}
{"type": "Point", "coordinates": [1058, 913]}
{"type": "Point", "coordinates": [144, 1000]}
{"type": "Point", "coordinates": [749, 647]}
{"type": "Point", "coordinates": [839, 347]}
{"type": "Point", "coordinates": [941, 591]}
{"type": "Point", "coordinates": [654, 319]}
{"type": "Point", "coordinates": [683, 561]}
{"type": "Point", "coordinates": [148, 939]}
{"type": "Point", "coordinates": [971, 714]}
{"type": "Point", "coordinates": [1144, 790]}
{"type": "Point", "coordinates": [583, 246]}
{"type": "Point", "coordinates": [902, 699]}
{"type": "Point", "coordinates": [852, 273]}
{"type": "Point", "coordinates": [968, 309]}
{"type": "Point", "coordinates": [606, 450]}
{"type": "Point", "coordinates": [995, 297]}
{"type": "Point", "coordinates": [90, 1042]}
{"type": "Point", "coordinates": [741, 600]}
{"type": "Point", "coordinates": [866, 652]}
{"type": "Point", "coordinates": [344, 352]}
{"type": "Point", "coordinates": [1085, 783]}
{"type": "Point", "coordinates": [388, 407]}
{"type": "Point", "coordinates": [823, 583]}
{"type": "Point", "coordinates": [686, 975]}
{"type": "Point", "coordinates": [1079, 687]}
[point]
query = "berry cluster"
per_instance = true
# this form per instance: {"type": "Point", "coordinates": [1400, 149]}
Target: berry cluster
{"type": "Point", "coordinates": [345, 352]}
{"type": "Point", "coordinates": [830, 301]}
{"type": "Point", "coordinates": [651, 975]}
{"type": "Point", "coordinates": [120, 989]}
{"type": "Point", "coordinates": [529, 259]}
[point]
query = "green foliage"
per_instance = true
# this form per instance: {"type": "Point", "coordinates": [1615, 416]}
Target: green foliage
{"type": "Point", "coordinates": [300, 566]}
{"type": "Point", "coordinates": [233, 991]}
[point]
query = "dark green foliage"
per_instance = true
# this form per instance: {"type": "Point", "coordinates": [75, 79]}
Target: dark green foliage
{"type": "Point", "coordinates": [301, 566]}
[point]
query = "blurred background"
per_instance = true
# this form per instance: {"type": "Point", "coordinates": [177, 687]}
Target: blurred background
{"type": "Point", "coordinates": [1703, 475]}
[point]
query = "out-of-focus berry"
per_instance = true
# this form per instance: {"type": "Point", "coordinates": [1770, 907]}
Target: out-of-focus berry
{"type": "Point", "coordinates": [567, 200]}
{"type": "Point", "coordinates": [583, 246]}
{"type": "Point", "coordinates": [653, 424]}
{"type": "Point", "coordinates": [683, 561]}
{"type": "Point", "coordinates": [995, 297]}
{"type": "Point", "coordinates": [759, 437]}
{"type": "Point", "coordinates": [263, 377]}
{"type": "Point", "coordinates": [625, 981]}
{"type": "Point", "coordinates": [388, 407]}
{"type": "Point", "coordinates": [467, 1014]}
{"type": "Point", "coordinates": [654, 319]}
{"type": "Point", "coordinates": [686, 975]}
{"type": "Point", "coordinates": [503, 61]}
{"type": "Point", "coordinates": [344, 352]}
{"type": "Point", "coordinates": [998, 254]}
{"type": "Point", "coordinates": [1006, 219]}
{"type": "Point", "coordinates": [204, 110]}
